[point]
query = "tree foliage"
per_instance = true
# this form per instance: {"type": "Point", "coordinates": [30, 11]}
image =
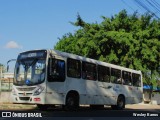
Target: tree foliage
{"type": "Point", "coordinates": [132, 41]}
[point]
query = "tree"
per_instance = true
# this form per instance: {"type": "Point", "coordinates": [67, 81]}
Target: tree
{"type": "Point", "coordinates": [131, 41]}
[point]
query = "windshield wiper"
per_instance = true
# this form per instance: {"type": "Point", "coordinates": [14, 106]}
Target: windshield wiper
{"type": "Point", "coordinates": [27, 65]}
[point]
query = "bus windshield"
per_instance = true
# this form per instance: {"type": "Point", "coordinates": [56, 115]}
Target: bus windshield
{"type": "Point", "coordinates": [30, 71]}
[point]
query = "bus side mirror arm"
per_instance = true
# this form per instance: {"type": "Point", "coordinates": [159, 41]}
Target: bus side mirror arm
{"type": "Point", "coordinates": [7, 68]}
{"type": "Point", "coordinates": [50, 66]}
{"type": "Point", "coordinates": [9, 62]}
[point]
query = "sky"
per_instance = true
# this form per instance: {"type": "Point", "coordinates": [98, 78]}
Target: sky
{"type": "Point", "coordinates": [37, 24]}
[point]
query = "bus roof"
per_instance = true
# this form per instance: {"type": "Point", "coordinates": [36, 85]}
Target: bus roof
{"type": "Point", "coordinates": [73, 56]}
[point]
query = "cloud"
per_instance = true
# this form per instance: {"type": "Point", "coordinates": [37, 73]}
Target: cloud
{"type": "Point", "coordinates": [13, 45]}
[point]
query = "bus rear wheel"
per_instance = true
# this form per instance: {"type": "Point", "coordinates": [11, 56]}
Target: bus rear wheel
{"type": "Point", "coordinates": [72, 102]}
{"type": "Point", "coordinates": [120, 103]}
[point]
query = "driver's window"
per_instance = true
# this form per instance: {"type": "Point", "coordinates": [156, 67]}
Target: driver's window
{"type": "Point", "coordinates": [38, 71]}
{"type": "Point", "coordinates": [39, 67]}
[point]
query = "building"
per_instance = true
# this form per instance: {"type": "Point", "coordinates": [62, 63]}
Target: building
{"type": "Point", "coordinates": [151, 94]}
{"type": "Point", "coordinates": [7, 75]}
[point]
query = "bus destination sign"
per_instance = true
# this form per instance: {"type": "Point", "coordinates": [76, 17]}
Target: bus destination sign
{"type": "Point", "coordinates": [33, 54]}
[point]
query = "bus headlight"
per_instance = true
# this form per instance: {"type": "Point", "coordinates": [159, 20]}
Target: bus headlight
{"type": "Point", "coordinates": [38, 91]}
{"type": "Point", "coordinates": [13, 92]}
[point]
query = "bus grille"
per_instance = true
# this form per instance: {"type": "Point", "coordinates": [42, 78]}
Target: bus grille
{"type": "Point", "coordinates": [26, 89]}
{"type": "Point", "coordinates": [25, 94]}
{"type": "Point", "coordinates": [24, 98]}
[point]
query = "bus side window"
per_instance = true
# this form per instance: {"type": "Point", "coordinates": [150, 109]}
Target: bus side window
{"type": "Point", "coordinates": [127, 78]}
{"type": "Point", "coordinates": [103, 74]}
{"type": "Point", "coordinates": [89, 71]}
{"type": "Point", "coordinates": [56, 70]}
{"type": "Point", "coordinates": [116, 76]}
{"type": "Point", "coordinates": [136, 79]}
{"type": "Point", "coordinates": [73, 68]}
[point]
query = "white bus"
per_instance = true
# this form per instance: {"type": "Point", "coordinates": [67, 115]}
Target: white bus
{"type": "Point", "coordinates": [51, 77]}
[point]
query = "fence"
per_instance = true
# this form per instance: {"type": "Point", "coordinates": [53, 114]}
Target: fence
{"type": "Point", "coordinates": [6, 84]}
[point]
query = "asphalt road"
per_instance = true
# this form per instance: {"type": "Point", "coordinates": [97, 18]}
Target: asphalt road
{"type": "Point", "coordinates": [130, 111]}
{"type": "Point", "coordinates": [103, 112]}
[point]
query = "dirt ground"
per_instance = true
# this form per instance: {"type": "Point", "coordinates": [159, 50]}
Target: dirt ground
{"type": "Point", "coordinates": [9, 106]}
{"type": "Point", "coordinates": [143, 106]}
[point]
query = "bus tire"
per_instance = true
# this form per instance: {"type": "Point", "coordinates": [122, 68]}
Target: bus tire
{"type": "Point", "coordinates": [120, 103]}
{"type": "Point", "coordinates": [72, 102]}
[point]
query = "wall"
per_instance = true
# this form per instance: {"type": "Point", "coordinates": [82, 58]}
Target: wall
{"type": "Point", "coordinates": [155, 98]}
{"type": "Point", "coordinates": [5, 97]}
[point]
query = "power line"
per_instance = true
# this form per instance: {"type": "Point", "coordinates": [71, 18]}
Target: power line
{"type": "Point", "coordinates": [138, 5]}
{"type": "Point", "coordinates": [144, 6]}
{"type": "Point", "coordinates": [127, 5]}
{"type": "Point", "coordinates": [156, 3]}
{"type": "Point", "coordinates": [153, 5]}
